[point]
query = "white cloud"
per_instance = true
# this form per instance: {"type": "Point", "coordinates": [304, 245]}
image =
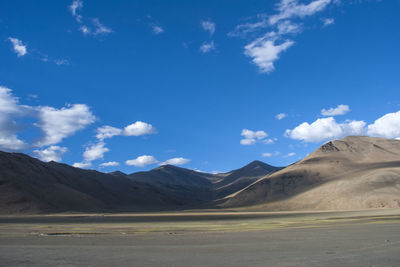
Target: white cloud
{"type": "Point", "coordinates": [99, 28]}
{"type": "Point", "coordinates": [142, 161]}
{"type": "Point", "coordinates": [266, 49]}
{"type": "Point", "coordinates": [175, 161]}
{"type": "Point", "coordinates": [328, 21]}
{"type": "Point", "coordinates": [268, 155]}
{"type": "Point", "coordinates": [269, 141]}
{"type": "Point", "coordinates": [9, 108]}
{"type": "Point", "coordinates": [109, 164]}
{"type": "Point", "coordinates": [325, 129]}
{"type": "Point", "coordinates": [18, 46]}
{"type": "Point", "coordinates": [264, 52]}
{"type": "Point", "coordinates": [208, 26]}
{"type": "Point", "coordinates": [51, 153]}
{"type": "Point", "coordinates": [85, 30]}
{"type": "Point", "coordinates": [95, 151]}
{"type": "Point", "coordinates": [76, 6]}
{"type": "Point", "coordinates": [139, 128]}
{"type": "Point", "coordinates": [387, 126]}
{"type": "Point", "coordinates": [58, 124]}
{"type": "Point", "coordinates": [91, 26]}
{"type": "Point", "coordinates": [107, 132]}
{"type": "Point", "coordinates": [207, 47]}
{"type": "Point", "coordinates": [339, 110]}
{"type": "Point", "coordinates": [292, 9]}
{"type": "Point", "coordinates": [157, 29]}
{"type": "Point", "coordinates": [288, 27]}
{"type": "Point", "coordinates": [280, 116]}
{"type": "Point", "coordinates": [82, 165]}
{"type": "Point", "coordinates": [251, 137]}
{"type": "Point", "coordinates": [247, 142]}
{"type": "Point", "coordinates": [291, 154]}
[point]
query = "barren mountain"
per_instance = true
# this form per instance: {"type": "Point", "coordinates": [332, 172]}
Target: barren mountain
{"type": "Point", "coordinates": [30, 185]}
{"type": "Point", "coordinates": [353, 173]}
{"type": "Point", "coordinates": [240, 178]}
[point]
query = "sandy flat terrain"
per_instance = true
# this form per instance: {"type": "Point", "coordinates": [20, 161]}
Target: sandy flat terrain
{"type": "Point", "coordinates": [364, 238]}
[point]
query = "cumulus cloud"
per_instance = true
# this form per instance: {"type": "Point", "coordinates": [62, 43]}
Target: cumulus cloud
{"type": "Point", "coordinates": [175, 161]}
{"type": "Point", "coordinates": [95, 151]}
{"type": "Point", "coordinates": [18, 46]}
{"type": "Point", "coordinates": [51, 153]}
{"type": "Point", "coordinates": [92, 152]}
{"type": "Point", "coordinates": [207, 47]}
{"type": "Point", "coordinates": [142, 161]}
{"type": "Point", "coordinates": [276, 31]}
{"type": "Point", "coordinates": [107, 132]}
{"type": "Point", "coordinates": [264, 52]}
{"type": "Point", "coordinates": [82, 165]}
{"type": "Point", "coordinates": [326, 129]}
{"type": "Point", "coordinates": [157, 29]}
{"type": "Point", "coordinates": [339, 110]}
{"type": "Point", "coordinates": [139, 128]}
{"type": "Point", "coordinates": [387, 126]}
{"type": "Point", "coordinates": [280, 116]}
{"type": "Point", "coordinates": [58, 124]}
{"type": "Point", "coordinates": [208, 26]}
{"type": "Point", "coordinates": [109, 164]}
{"type": "Point", "coordinates": [291, 154]}
{"type": "Point", "coordinates": [9, 109]}
{"type": "Point", "coordinates": [251, 137]}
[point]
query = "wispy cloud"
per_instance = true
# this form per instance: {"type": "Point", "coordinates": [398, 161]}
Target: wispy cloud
{"type": "Point", "coordinates": [208, 26]}
{"type": "Point", "coordinates": [275, 31]}
{"type": "Point", "coordinates": [328, 21]}
{"type": "Point", "coordinates": [280, 116]}
{"type": "Point", "coordinates": [88, 27]}
{"type": "Point", "coordinates": [157, 29]}
{"type": "Point", "coordinates": [207, 47]}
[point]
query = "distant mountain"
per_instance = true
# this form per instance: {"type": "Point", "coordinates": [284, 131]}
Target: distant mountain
{"type": "Point", "coordinates": [118, 173]}
{"type": "Point", "coordinates": [185, 186]}
{"type": "Point", "coordinates": [28, 185]}
{"type": "Point", "coordinates": [32, 186]}
{"type": "Point", "coordinates": [354, 173]}
{"type": "Point", "coordinates": [240, 178]}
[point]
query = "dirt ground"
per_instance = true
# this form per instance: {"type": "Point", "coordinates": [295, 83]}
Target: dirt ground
{"type": "Point", "coordinates": [357, 238]}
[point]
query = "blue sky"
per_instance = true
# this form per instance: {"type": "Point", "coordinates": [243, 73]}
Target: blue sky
{"type": "Point", "coordinates": [195, 83]}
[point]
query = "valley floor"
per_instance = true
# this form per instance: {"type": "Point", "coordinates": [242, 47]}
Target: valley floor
{"type": "Point", "coordinates": [353, 238]}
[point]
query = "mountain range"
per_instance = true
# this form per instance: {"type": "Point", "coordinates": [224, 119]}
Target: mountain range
{"type": "Point", "coordinates": [353, 173]}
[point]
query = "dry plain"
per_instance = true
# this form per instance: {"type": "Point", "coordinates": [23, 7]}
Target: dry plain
{"type": "Point", "coordinates": [207, 238]}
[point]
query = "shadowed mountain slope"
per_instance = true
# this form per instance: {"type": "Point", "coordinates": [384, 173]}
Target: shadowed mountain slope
{"type": "Point", "coordinates": [240, 178]}
{"type": "Point", "coordinates": [30, 185]}
{"type": "Point", "coordinates": [185, 186]}
{"type": "Point", "coordinates": [354, 173]}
